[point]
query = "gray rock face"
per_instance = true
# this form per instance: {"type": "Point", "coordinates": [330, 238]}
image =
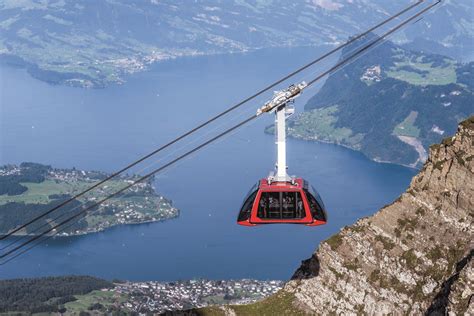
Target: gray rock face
{"type": "Point", "coordinates": [460, 297]}
{"type": "Point", "coordinates": [411, 257]}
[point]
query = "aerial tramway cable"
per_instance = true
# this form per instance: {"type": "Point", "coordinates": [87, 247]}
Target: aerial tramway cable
{"type": "Point", "coordinates": [71, 212]}
{"type": "Point", "coordinates": [195, 149]}
{"type": "Point", "coordinates": [209, 121]}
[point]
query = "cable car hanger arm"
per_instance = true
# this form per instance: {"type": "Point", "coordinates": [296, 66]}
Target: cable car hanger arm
{"type": "Point", "coordinates": [283, 97]}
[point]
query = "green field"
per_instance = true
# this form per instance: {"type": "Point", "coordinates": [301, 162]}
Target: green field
{"type": "Point", "coordinates": [106, 298]}
{"type": "Point", "coordinates": [429, 75]}
{"type": "Point", "coordinates": [318, 124]}
{"type": "Point", "coordinates": [407, 127]}
{"type": "Point", "coordinates": [38, 193]}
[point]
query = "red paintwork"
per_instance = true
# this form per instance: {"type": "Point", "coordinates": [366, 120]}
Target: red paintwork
{"type": "Point", "coordinates": [254, 220]}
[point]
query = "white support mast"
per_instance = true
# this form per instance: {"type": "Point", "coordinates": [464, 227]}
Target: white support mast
{"type": "Point", "coordinates": [281, 105]}
{"type": "Point", "coordinates": [281, 114]}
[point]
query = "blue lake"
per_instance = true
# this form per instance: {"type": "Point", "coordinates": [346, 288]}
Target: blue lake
{"type": "Point", "coordinates": [108, 128]}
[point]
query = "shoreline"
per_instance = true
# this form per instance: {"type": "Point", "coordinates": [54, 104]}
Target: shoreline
{"type": "Point", "coordinates": [351, 148]}
{"type": "Point", "coordinates": [144, 205]}
{"type": "Point", "coordinates": [80, 80]}
{"type": "Point", "coordinates": [100, 230]}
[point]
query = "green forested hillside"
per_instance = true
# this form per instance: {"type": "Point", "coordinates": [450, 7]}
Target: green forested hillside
{"type": "Point", "coordinates": [391, 104]}
{"type": "Point", "coordinates": [45, 294]}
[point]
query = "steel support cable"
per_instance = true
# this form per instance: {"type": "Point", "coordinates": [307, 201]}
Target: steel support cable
{"type": "Point", "coordinates": [16, 241]}
{"type": "Point", "coordinates": [148, 175]}
{"type": "Point", "coordinates": [46, 224]}
{"type": "Point", "coordinates": [258, 93]}
{"type": "Point", "coordinates": [381, 38]}
{"type": "Point", "coordinates": [70, 212]}
{"type": "Point", "coordinates": [316, 72]}
{"type": "Point", "coordinates": [332, 69]}
{"type": "Point", "coordinates": [47, 237]}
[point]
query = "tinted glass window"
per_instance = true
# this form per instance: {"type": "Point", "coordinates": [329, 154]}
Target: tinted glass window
{"type": "Point", "coordinates": [280, 205]}
{"type": "Point", "coordinates": [316, 210]}
{"type": "Point", "coordinates": [269, 205]}
{"type": "Point", "coordinates": [247, 207]}
{"type": "Point", "coordinates": [317, 196]}
{"type": "Point", "coordinates": [252, 190]}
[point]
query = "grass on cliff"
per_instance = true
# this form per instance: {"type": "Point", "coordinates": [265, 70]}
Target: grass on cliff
{"type": "Point", "coordinates": [280, 303]}
{"type": "Point", "coordinates": [468, 123]}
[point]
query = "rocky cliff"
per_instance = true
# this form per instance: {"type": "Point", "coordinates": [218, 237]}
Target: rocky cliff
{"type": "Point", "coordinates": [411, 257]}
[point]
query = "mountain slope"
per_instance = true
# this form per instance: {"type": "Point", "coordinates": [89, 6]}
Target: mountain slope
{"type": "Point", "coordinates": [391, 104]}
{"type": "Point", "coordinates": [402, 258]}
{"type": "Point", "coordinates": [448, 31]}
{"type": "Point", "coordinates": [91, 44]}
{"type": "Point", "coordinates": [411, 257]}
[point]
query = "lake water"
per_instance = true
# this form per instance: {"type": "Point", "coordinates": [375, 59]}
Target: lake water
{"type": "Point", "coordinates": [107, 128]}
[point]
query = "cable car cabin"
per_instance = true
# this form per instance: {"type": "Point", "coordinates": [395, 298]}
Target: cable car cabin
{"type": "Point", "coordinates": [282, 203]}
{"type": "Point", "coordinates": [281, 199]}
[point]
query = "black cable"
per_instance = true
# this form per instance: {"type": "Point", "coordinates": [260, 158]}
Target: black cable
{"type": "Point", "coordinates": [55, 219]}
{"type": "Point", "coordinates": [72, 211]}
{"type": "Point", "coordinates": [84, 211]}
{"type": "Point", "coordinates": [380, 38]}
{"type": "Point", "coordinates": [212, 119]}
{"type": "Point", "coordinates": [148, 175]}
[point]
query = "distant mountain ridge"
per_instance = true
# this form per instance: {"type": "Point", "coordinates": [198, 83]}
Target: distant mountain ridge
{"type": "Point", "coordinates": [91, 44]}
{"type": "Point", "coordinates": [390, 104]}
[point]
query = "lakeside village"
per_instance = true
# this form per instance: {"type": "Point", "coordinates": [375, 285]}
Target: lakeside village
{"type": "Point", "coordinates": [139, 204]}
{"type": "Point", "coordinates": [158, 297]}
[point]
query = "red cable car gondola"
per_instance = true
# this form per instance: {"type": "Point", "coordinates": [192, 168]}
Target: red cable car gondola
{"type": "Point", "coordinates": [282, 202]}
{"type": "Point", "coordinates": [281, 199]}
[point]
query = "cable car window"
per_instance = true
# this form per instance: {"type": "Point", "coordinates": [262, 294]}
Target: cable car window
{"type": "Point", "coordinates": [317, 196]}
{"type": "Point", "coordinates": [247, 207]}
{"type": "Point", "coordinates": [269, 205]}
{"type": "Point", "coordinates": [253, 189]}
{"type": "Point", "coordinates": [280, 205]}
{"type": "Point", "coordinates": [316, 210]}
